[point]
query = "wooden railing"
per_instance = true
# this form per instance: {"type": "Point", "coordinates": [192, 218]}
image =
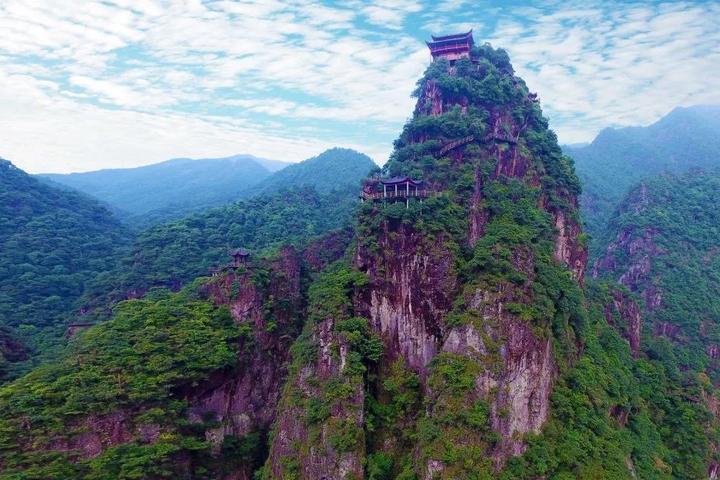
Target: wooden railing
{"type": "Point", "coordinates": [423, 193]}
{"type": "Point", "coordinates": [501, 138]}
{"type": "Point", "coordinates": [456, 143]}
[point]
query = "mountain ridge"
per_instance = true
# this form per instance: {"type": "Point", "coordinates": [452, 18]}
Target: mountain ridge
{"type": "Point", "coordinates": [618, 158]}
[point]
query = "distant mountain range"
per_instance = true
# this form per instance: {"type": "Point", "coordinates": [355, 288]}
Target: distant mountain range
{"type": "Point", "coordinates": [169, 190]}
{"type": "Point", "coordinates": [162, 191]}
{"type": "Point", "coordinates": [619, 158]}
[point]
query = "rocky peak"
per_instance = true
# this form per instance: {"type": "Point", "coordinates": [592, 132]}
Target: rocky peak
{"type": "Point", "coordinates": [452, 288]}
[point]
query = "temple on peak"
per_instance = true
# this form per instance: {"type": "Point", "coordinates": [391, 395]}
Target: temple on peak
{"type": "Point", "coordinates": [451, 47]}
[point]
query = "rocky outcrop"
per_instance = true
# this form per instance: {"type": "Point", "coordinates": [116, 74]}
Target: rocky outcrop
{"type": "Point", "coordinates": [245, 400]}
{"type": "Point", "coordinates": [516, 366]}
{"type": "Point", "coordinates": [568, 249]}
{"type": "Point", "coordinates": [411, 288]}
{"type": "Point", "coordinates": [623, 314]}
{"type": "Point", "coordinates": [98, 432]}
{"type": "Point", "coordinates": [640, 249]}
{"type": "Point", "coordinates": [310, 444]}
{"type": "Point", "coordinates": [517, 382]}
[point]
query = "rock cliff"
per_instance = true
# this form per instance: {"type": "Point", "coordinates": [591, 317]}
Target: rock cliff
{"type": "Point", "coordinates": [472, 294]}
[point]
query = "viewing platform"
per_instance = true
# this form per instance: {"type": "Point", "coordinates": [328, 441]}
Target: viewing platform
{"type": "Point", "coordinates": [240, 258]}
{"type": "Point", "coordinates": [394, 189]}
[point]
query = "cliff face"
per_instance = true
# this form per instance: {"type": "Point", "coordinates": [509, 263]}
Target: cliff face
{"type": "Point", "coordinates": [463, 291]}
{"type": "Point", "coordinates": [517, 382]}
{"type": "Point", "coordinates": [412, 282]}
{"type": "Point", "coordinates": [266, 302]}
{"type": "Point", "coordinates": [319, 432]}
{"type": "Point", "coordinates": [623, 314]}
{"type": "Point", "coordinates": [634, 272]}
{"type": "Point", "coordinates": [323, 453]}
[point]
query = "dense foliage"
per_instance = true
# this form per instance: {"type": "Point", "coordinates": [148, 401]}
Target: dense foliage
{"type": "Point", "coordinates": [52, 242]}
{"type": "Point", "coordinates": [173, 254]}
{"type": "Point", "coordinates": [126, 372]}
{"type": "Point", "coordinates": [618, 159]}
{"type": "Point", "coordinates": [676, 222]}
{"type": "Point", "coordinates": [167, 190]}
{"type": "Point", "coordinates": [614, 417]}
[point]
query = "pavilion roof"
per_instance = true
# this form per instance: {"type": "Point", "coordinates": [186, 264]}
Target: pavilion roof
{"type": "Point", "coordinates": [455, 36]}
{"type": "Point", "coordinates": [401, 179]}
{"type": "Point", "coordinates": [239, 252]}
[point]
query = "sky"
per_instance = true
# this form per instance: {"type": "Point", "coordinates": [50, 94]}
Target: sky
{"type": "Point", "coordinates": [86, 85]}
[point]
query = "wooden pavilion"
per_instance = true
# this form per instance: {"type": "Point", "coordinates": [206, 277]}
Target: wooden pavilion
{"type": "Point", "coordinates": [394, 189]}
{"type": "Point", "coordinates": [451, 47]}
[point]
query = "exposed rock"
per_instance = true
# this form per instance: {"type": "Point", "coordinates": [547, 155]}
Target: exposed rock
{"type": "Point", "coordinates": [518, 383]}
{"type": "Point", "coordinates": [412, 285]}
{"type": "Point", "coordinates": [245, 400]}
{"type": "Point", "coordinates": [241, 401]}
{"type": "Point", "coordinates": [620, 414]}
{"type": "Point", "coordinates": [567, 247]}
{"type": "Point", "coordinates": [298, 452]}
{"type": "Point", "coordinates": [640, 248]}
{"type": "Point", "coordinates": [95, 433]}
{"type": "Point", "coordinates": [667, 329]}
{"type": "Point", "coordinates": [479, 214]}
{"type": "Point", "coordinates": [713, 351]}
{"type": "Point", "coordinates": [624, 315]}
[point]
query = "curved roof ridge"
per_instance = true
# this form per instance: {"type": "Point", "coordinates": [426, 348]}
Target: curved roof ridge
{"type": "Point", "coordinates": [452, 37]}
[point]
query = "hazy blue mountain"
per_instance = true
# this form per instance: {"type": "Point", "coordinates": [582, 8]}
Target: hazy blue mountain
{"type": "Point", "coordinates": [333, 169]}
{"type": "Point", "coordinates": [272, 165]}
{"type": "Point", "coordinates": [619, 158]}
{"type": "Point", "coordinates": [162, 191]}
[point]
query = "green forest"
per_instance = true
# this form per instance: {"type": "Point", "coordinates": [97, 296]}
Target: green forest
{"type": "Point", "coordinates": [522, 320]}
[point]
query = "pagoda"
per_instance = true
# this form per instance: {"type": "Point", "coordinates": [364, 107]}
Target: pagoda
{"type": "Point", "coordinates": [451, 47]}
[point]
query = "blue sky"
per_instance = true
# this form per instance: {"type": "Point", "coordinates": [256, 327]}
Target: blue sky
{"type": "Point", "coordinates": [130, 82]}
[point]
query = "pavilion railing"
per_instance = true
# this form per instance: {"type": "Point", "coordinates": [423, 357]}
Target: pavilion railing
{"type": "Point", "coordinates": [390, 194]}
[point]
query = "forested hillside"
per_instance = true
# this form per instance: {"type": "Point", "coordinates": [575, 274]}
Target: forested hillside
{"type": "Point", "coordinates": [333, 169]}
{"type": "Point", "coordinates": [662, 243]}
{"type": "Point", "coordinates": [171, 189]}
{"type": "Point", "coordinates": [619, 158]}
{"type": "Point", "coordinates": [174, 253]}
{"type": "Point", "coordinates": [52, 242]}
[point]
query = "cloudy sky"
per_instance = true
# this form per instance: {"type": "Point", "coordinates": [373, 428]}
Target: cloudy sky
{"type": "Point", "coordinates": [121, 83]}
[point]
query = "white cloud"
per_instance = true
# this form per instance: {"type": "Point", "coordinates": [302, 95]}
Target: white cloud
{"type": "Point", "coordinates": [130, 82]}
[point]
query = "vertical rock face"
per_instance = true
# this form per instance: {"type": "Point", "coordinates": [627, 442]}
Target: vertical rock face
{"type": "Point", "coordinates": [411, 288]}
{"type": "Point", "coordinates": [640, 249]}
{"type": "Point", "coordinates": [568, 249]}
{"type": "Point", "coordinates": [245, 401]}
{"type": "Point", "coordinates": [519, 384]}
{"type": "Point", "coordinates": [302, 449]}
{"type": "Point", "coordinates": [624, 315]}
{"type": "Point", "coordinates": [319, 431]}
